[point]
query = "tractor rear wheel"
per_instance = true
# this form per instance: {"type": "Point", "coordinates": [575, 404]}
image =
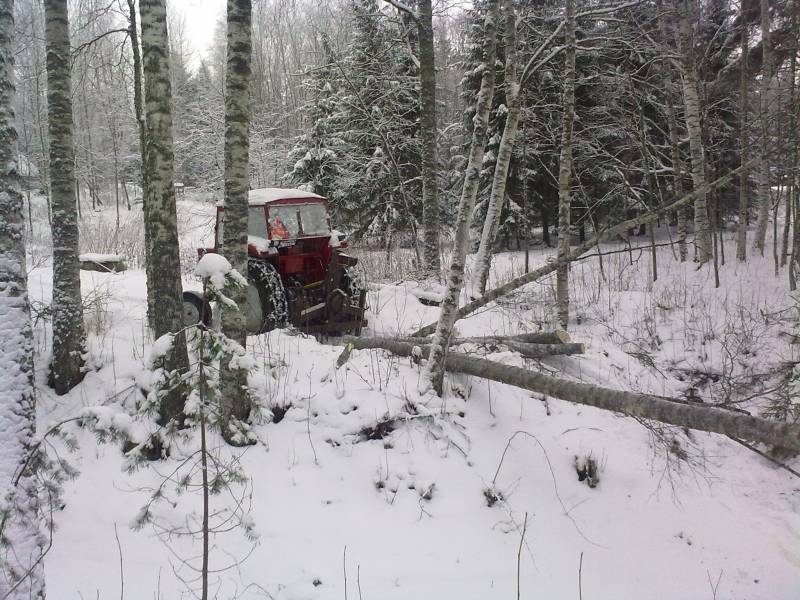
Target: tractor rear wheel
{"type": "Point", "coordinates": [196, 309]}
{"type": "Point", "coordinates": [266, 299]}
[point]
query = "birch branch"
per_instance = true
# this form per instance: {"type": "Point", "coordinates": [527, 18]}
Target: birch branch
{"type": "Point", "coordinates": [551, 267]}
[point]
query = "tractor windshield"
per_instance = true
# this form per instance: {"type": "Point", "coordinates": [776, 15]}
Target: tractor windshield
{"type": "Point", "coordinates": [296, 220]}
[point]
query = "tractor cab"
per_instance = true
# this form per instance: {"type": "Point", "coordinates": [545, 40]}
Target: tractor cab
{"type": "Point", "coordinates": [297, 272]}
{"type": "Point", "coordinates": [290, 229]}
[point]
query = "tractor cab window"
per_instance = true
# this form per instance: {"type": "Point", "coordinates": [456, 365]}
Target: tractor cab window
{"type": "Point", "coordinates": [283, 222]}
{"type": "Point", "coordinates": [297, 220]}
{"type": "Point", "coordinates": [313, 219]}
{"type": "Point", "coordinates": [256, 227]}
{"type": "Point", "coordinates": [255, 222]}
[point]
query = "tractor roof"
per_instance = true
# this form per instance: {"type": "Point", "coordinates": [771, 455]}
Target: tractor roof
{"type": "Point", "coordinates": [269, 195]}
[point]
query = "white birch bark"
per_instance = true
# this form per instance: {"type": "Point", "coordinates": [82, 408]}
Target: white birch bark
{"type": "Point", "coordinates": [68, 330]}
{"type": "Point", "coordinates": [22, 572]}
{"type": "Point", "coordinates": [674, 135]}
{"type": "Point", "coordinates": [741, 230]}
{"type": "Point", "coordinates": [565, 169]}
{"type": "Point", "coordinates": [794, 117]}
{"type": "Point", "coordinates": [434, 370]}
{"type": "Point", "coordinates": [138, 106]}
{"type": "Point", "coordinates": [483, 258]}
{"type": "Point", "coordinates": [234, 397]}
{"type": "Point", "coordinates": [159, 206]}
{"type": "Point", "coordinates": [428, 135]}
{"type": "Point", "coordinates": [702, 225]}
{"type": "Point", "coordinates": [764, 199]}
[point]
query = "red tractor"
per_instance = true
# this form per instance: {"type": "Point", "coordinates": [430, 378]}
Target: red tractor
{"type": "Point", "coordinates": [297, 272]}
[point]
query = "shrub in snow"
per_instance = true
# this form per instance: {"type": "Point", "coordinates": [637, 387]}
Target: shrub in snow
{"type": "Point", "coordinates": [492, 496]}
{"type": "Point", "coordinates": [588, 470]}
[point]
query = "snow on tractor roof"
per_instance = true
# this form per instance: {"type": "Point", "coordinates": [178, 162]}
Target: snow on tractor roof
{"type": "Point", "coordinates": [267, 195]}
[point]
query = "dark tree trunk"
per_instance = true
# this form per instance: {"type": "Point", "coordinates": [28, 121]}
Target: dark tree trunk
{"type": "Point", "coordinates": [66, 369]}
{"type": "Point", "coordinates": [428, 135]}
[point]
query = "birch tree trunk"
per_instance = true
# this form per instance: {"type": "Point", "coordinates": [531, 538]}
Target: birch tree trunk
{"type": "Point", "coordinates": [234, 397]}
{"type": "Point", "coordinates": [674, 137]}
{"type": "Point", "coordinates": [138, 106]}
{"type": "Point", "coordinates": [434, 370]}
{"type": "Point", "coordinates": [23, 572]}
{"type": "Point", "coordinates": [741, 231]}
{"type": "Point", "coordinates": [159, 205]}
{"type": "Point", "coordinates": [428, 135]}
{"type": "Point", "coordinates": [764, 200]}
{"type": "Point", "coordinates": [483, 259]}
{"type": "Point", "coordinates": [795, 142]}
{"type": "Point", "coordinates": [565, 169]}
{"type": "Point", "coordinates": [702, 225]}
{"type": "Point", "coordinates": [69, 336]}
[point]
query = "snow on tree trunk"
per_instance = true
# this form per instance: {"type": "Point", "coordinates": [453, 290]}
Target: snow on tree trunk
{"type": "Point", "coordinates": [68, 331]}
{"type": "Point", "coordinates": [434, 370]}
{"type": "Point", "coordinates": [140, 122]}
{"type": "Point", "coordinates": [702, 225]}
{"type": "Point", "coordinates": [234, 396]}
{"type": "Point", "coordinates": [23, 572]}
{"type": "Point", "coordinates": [565, 169]}
{"type": "Point", "coordinates": [764, 199]}
{"type": "Point", "coordinates": [159, 205]}
{"type": "Point", "coordinates": [741, 231]}
{"type": "Point", "coordinates": [483, 259]}
{"type": "Point", "coordinates": [428, 135]}
{"type": "Point", "coordinates": [674, 136]}
{"type": "Point", "coordinates": [795, 142]}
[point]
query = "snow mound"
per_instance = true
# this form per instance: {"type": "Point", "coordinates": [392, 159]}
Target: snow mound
{"type": "Point", "coordinates": [215, 268]}
{"type": "Point", "coordinates": [431, 292]}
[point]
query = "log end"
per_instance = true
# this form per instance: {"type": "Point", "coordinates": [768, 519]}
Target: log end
{"type": "Point", "coordinates": [104, 263]}
{"type": "Point", "coordinates": [103, 266]}
{"type": "Point", "coordinates": [563, 336]}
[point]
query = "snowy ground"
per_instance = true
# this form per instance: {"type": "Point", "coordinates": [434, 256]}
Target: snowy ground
{"type": "Point", "coordinates": [406, 515]}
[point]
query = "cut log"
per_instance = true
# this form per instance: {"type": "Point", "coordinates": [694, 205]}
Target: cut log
{"type": "Point", "coordinates": [671, 411]}
{"type": "Point", "coordinates": [105, 263]}
{"type": "Point", "coordinates": [559, 336]}
{"type": "Point", "coordinates": [543, 350]}
{"type": "Point", "coordinates": [526, 349]}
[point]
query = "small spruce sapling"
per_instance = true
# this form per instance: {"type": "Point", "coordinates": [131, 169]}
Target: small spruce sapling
{"type": "Point", "coordinates": [199, 462]}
